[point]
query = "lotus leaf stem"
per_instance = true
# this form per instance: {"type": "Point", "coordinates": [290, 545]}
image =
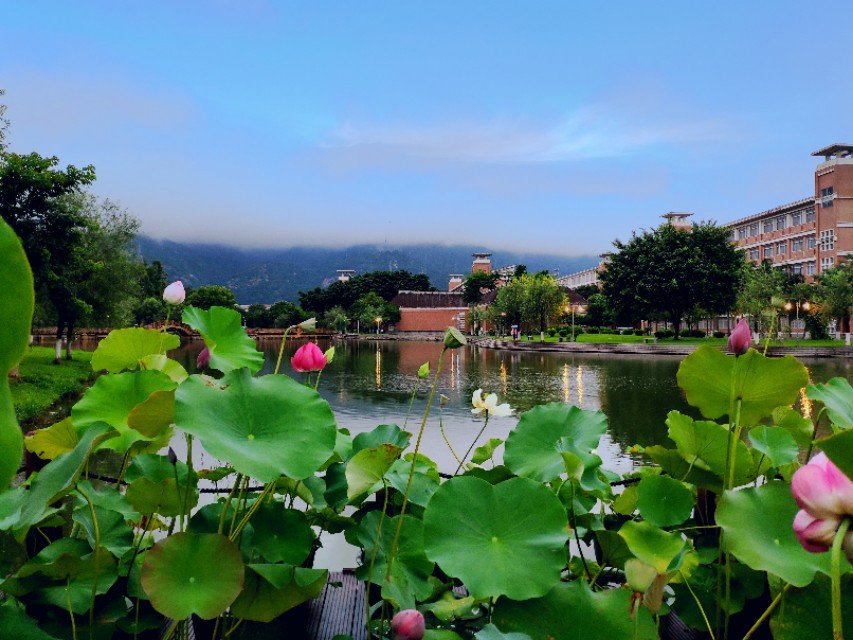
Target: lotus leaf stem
{"type": "Point", "coordinates": [237, 482]}
{"type": "Point", "coordinates": [97, 532]}
{"type": "Point", "coordinates": [698, 604]}
{"type": "Point", "coordinates": [767, 612]}
{"type": "Point", "coordinates": [837, 632]}
{"type": "Point", "coordinates": [477, 437]}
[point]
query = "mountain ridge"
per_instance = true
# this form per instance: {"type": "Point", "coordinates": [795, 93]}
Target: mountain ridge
{"type": "Point", "coordinates": [269, 275]}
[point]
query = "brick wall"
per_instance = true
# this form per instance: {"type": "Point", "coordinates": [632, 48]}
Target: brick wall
{"type": "Point", "coordinates": [428, 319]}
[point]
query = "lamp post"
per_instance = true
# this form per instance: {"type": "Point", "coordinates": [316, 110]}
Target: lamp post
{"type": "Point", "coordinates": [805, 305]}
{"type": "Point", "coordinates": [571, 308]}
{"type": "Point", "coordinates": [378, 322]}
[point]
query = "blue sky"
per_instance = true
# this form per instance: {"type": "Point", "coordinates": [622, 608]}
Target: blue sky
{"type": "Point", "coordinates": [540, 126]}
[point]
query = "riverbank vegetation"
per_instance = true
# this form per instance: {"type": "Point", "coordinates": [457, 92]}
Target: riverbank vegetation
{"type": "Point", "coordinates": [41, 384]}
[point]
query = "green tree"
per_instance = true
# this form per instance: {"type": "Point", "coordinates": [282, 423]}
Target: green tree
{"type": "Point", "coordinates": [336, 318]}
{"type": "Point", "coordinates": [150, 310]}
{"type": "Point", "coordinates": [286, 314]}
{"type": "Point", "coordinates": [211, 295]}
{"type": "Point", "coordinates": [598, 312]}
{"type": "Point", "coordinates": [476, 284]}
{"type": "Point", "coordinates": [510, 302]}
{"type": "Point", "coordinates": [152, 280]}
{"type": "Point", "coordinates": [371, 306]}
{"type": "Point", "coordinates": [258, 316]}
{"type": "Point", "coordinates": [4, 123]}
{"type": "Point", "coordinates": [669, 271]}
{"type": "Point", "coordinates": [542, 299]}
{"type": "Point", "coordinates": [35, 202]}
{"type": "Point", "coordinates": [835, 291]}
{"type": "Point", "coordinates": [386, 284]}
{"type": "Point", "coordinates": [761, 294]}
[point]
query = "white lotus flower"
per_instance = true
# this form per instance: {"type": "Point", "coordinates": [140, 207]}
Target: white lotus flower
{"type": "Point", "coordinates": [489, 404]}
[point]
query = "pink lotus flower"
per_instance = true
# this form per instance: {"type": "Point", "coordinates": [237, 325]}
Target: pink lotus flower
{"type": "Point", "coordinates": [740, 338]}
{"type": "Point", "coordinates": [408, 624]}
{"type": "Point", "coordinates": [174, 293]}
{"type": "Point", "coordinates": [307, 358]}
{"type": "Point", "coordinates": [825, 497]}
{"type": "Point", "coordinates": [203, 359]}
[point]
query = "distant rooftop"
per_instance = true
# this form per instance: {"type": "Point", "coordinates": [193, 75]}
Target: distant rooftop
{"type": "Point", "coordinates": [839, 149]}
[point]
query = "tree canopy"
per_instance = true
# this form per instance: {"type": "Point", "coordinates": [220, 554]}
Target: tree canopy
{"type": "Point", "coordinates": [211, 295]}
{"type": "Point", "coordinates": [385, 284]}
{"type": "Point", "coordinates": [476, 284]}
{"type": "Point", "coordinates": [669, 271]}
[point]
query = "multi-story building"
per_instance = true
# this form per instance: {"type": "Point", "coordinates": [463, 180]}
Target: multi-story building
{"type": "Point", "coordinates": [810, 235]}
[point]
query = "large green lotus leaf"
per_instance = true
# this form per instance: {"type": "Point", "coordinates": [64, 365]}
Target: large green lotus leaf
{"type": "Point", "coordinates": [411, 570]}
{"type": "Point", "coordinates": [491, 632]}
{"type": "Point", "coordinates": [206, 520]}
{"type": "Point", "coordinates": [16, 314]}
{"type": "Point", "coordinates": [230, 348]}
{"type": "Point", "coordinates": [17, 624]}
{"type": "Point", "coordinates": [449, 608]}
{"type": "Point", "coordinates": [23, 508]}
{"type": "Point", "coordinates": [839, 449]}
{"type": "Point", "coordinates": [160, 362]}
{"type": "Point", "coordinates": [282, 535]}
{"type": "Point", "coordinates": [424, 483]}
{"type": "Point", "coordinates": [153, 415]}
{"type": "Point", "coordinates": [672, 462]}
{"type": "Point", "coordinates": [263, 427]}
{"type": "Point", "coordinates": [807, 612]}
{"type": "Point", "coordinates": [123, 349]}
{"type": "Point", "coordinates": [614, 551]}
{"type": "Point", "coordinates": [837, 395]}
{"type": "Point", "coordinates": [800, 427]}
{"type": "Point", "coordinates": [507, 539]}
{"type": "Point", "coordinates": [776, 443]}
{"type": "Point", "coordinates": [485, 452]}
{"type": "Point", "coordinates": [335, 494]}
{"type": "Point", "coordinates": [757, 525]}
{"type": "Point", "coordinates": [112, 398]}
{"type": "Point", "coordinates": [429, 634]}
{"type": "Point", "coordinates": [190, 573]}
{"type": "Point", "coordinates": [366, 469]}
{"type": "Point", "coordinates": [534, 448]}
{"type": "Point", "coordinates": [270, 590]}
{"type": "Point", "coordinates": [113, 532]}
{"type": "Point", "coordinates": [59, 560]}
{"type": "Point", "coordinates": [106, 497]}
{"type": "Point", "coordinates": [49, 442]}
{"type": "Point", "coordinates": [384, 433]}
{"type": "Point", "coordinates": [96, 575]}
{"type": "Point", "coordinates": [573, 610]}
{"type": "Point", "coordinates": [710, 378]}
{"type": "Point", "coordinates": [652, 545]}
{"type": "Point", "coordinates": [704, 444]}
{"type": "Point", "coordinates": [664, 501]}
{"type": "Point", "coordinates": [163, 497]}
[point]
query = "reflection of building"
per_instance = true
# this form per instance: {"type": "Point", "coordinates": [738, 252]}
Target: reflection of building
{"type": "Point", "coordinates": [810, 235]}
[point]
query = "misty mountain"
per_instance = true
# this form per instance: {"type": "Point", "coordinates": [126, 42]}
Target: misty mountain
{"type": "Point", "coordinates": [269, 275]}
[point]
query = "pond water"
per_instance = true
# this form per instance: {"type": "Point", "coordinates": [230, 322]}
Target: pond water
{"type": "Point", "coordinates": [372, 382]}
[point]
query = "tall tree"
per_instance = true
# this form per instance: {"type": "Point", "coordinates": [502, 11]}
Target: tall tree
{"type": "Point", "coordinates": [385, 284]}
{"type": "Point", "coordinates": [835, 289]}
{"type": "Point", "coordinates": [668, 271]}
{"type": "Point", "coordinates": [211, 295]}
{"type": "Point", "coordinates": [476, 284]}
{"type": "Point", "coordinates": [542, 299]}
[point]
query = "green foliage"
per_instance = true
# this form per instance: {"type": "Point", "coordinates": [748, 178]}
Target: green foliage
{"type": "Point", "coordinates": [669, 271]}
{"type": "Point", "coordinates": [211, 295]}
{"type": "Point", "coordinates": [384, 284]}
{"type": "Point", "coordinates": [475, 284]}
{"type": "Point", "coordinates": [230, 348]}
{"type": "Point", "coordinates": [532, 299]}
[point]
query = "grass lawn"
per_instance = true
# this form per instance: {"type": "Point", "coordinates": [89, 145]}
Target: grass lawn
{"type": "Point", "coordinates": [43, 383]}
{"type": "Point", "coordinates": [607, 338]}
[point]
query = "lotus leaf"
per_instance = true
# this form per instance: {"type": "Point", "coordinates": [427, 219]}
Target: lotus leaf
{"type": "Point", "coordinates": [50, 442]}
{"type": "Point", "coordinates": [664, 501]}
{"type": "Point", "coordinates": [757, 524]}
{"type": "Point", "coordinates": [190, 573]}
{"type": "Point", "coordinates": [572, 610]}
{"type": "Point", "coordinates": [837, 395]}
{"type": "Point", "coordinates": [486, 451]}
{"type": "Point", "coordinates": [230, 348]}
{"type": "Point", "coordinates": [113, 533]}
{"type": "Point", "coordinates": [112, 399]}
{"type": "Point", "coordinates": [159, 362]}
{"type": "Point", "coordinates": [424, 482]}
{"type": "Point", "coordinates": [652, 545]}
{"type": "Point", "coordinates": [704, 445]}
{"type": "Point", "coordinates": [534, 447]}
{"type": "Point", "coordinates": [776, 443]}
{"type": "Point", "coordinates": [153, 415]}
{"type": "Point", "coordinates": [839, 449]}
{"type": "Point", "coordinates": [367, 468]}
{"type": "Point", "coordinates": [491, 632]}
{"type": "Point", "coordinates": [270, 590]}
{"type": "Point", "coordinates": [384, 433]}
{"type": "Point", "coordinates": [508, 539]}
{"type": "Point", "coordinates": [808, 611]}
{"type": "Point", "coordinates": [123, 349]}
{"type": "Point", "coordinates": [282, 535]}
{"type": "Point", "coordinates": [17, 624]}
{"type": "Point", "coordinates": [712, 381]}
{"type": "Point", "coordinates": [263, 427]}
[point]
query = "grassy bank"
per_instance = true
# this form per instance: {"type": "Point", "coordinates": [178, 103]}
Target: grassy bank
{"type": "Point", "coordinates": [42, 383]}
{"type": "Point", "coordinates": [606, 338]}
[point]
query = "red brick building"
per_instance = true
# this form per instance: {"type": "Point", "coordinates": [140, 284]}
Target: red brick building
{"type": "Point", "coordinates": [430, 310]}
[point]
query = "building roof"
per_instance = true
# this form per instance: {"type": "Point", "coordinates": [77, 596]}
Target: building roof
{"type": "Point", "coordinates": [429, 300]}
{"type": "Point", "coordinates": [783, 207]}
{"type": "Point", "coordinates": [834, 149]}
{"type": "Point", "coordinates": [574, 297]}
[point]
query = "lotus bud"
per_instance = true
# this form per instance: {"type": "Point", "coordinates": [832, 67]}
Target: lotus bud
{"type": "Point", "coordinates": [740, 338]}
{"type": "Point", "coordinates": [453, 338]}
{"type": "Point", "coordinates": [308, 325]}
{"type": "Point", "coordinates": [825, 496]}
{"type": "Point", "coordinates": [174, 293]}
{"type": "Point", "coordinates": [443, 400]}
{"type": "Point", "coordinates": [408, 624]}
{"type": "Point", "coordinates": [173, 457]}
{"type": "Point", "coordinates": [330, 354]}
{"type": "Point", "coordinates": [203, 359]}
{"type": "Point", "coordinates": [308, 358]}
{"type": "Point", "coordinates": [423, 371]}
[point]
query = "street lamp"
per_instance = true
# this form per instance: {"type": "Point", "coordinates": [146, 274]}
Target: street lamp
{"type": "Point", "coordinates": [805, 305]}
{"type": "Point", "coordinates": [378, 322]}
{"type": "Point", "coordinates": [571, 308]}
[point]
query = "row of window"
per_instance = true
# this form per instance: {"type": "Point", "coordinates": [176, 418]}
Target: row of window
{"type": "Point", "coordinates": [781, 248]}
{"type": "Point", "coordinates": [774, 224]}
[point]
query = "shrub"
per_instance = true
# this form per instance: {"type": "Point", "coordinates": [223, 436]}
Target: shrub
{"type": "Point", "coordinates": [696, 333]}
{"type": "Point", "coordinates": [639, 332]}
{"type": "Point", "coordinates": [664, 333]}
{"type": "Point", "coordinates": [627, 332]}
{"type": "Point", "coordinates": [593, 330]}
{"type": "Point", "coordinates": [719, 334]}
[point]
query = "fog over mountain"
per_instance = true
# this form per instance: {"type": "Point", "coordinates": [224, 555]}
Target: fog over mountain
{"type": "Point", "coordinates": [269, 275]}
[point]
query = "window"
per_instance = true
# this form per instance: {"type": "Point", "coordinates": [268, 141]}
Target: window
{"type": "Point", "coordinates": [796, 269]}
{"type": "Point", "coordinates": [741, 233]}
{"type": "Point", "coordinates": [780, 223]}
{"type": "Point", "coordinates": [768, 251]}
{"type": "Point", "coordinates": [768, 226]}
{"type": "Point", "coordinates": [811, 267]}
{"type": "Point", "coordinates": [826, 263]}
{"type": "Point", "coordinates": [753, 229]}
{"type": "Point", "coordinates": [796, 244]}
{"type": "Point", "coordinates": [810, 242]}
{"type": "Point", "coordinates": [782, 247]}
{"type": "Point", "coordinates": [827, 240]}
{"type": "Point", "coordinates": [810, 215]}
{"type": "Point", "coordinates": [753, 254]}
{"type": "Point", "coordinates": [826, 197]}
{"type": "Point", "coordinates": [732, 235]}
{"type": "Point", "coordinates": [797, 218]}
